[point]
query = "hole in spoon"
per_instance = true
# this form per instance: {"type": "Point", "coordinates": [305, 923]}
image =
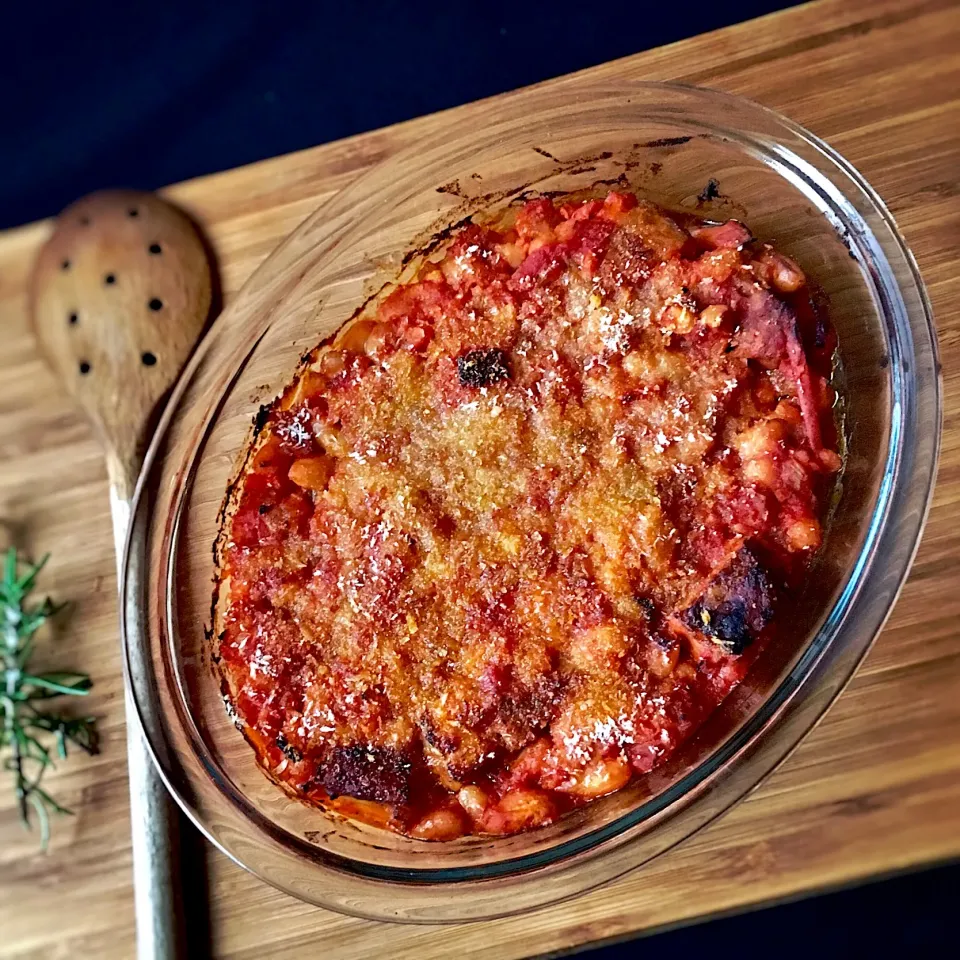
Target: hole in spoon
{"type": "Point", "coordinates": [154, 248]}
{"type": "Point", "coordinates": [72, 318]}
{"type": "Point", "coordinates": [84, 367]}
{"type": "Point", "coordinates": [148, 359]}
{"type": "Point", "coordinates": [155, 304]}
{"type": "Point", "coordinates": [110, 279]}
{"type": "Point", "coordinates": [133, 212]}
{"type": "Point", "coordinates": [65, 265]}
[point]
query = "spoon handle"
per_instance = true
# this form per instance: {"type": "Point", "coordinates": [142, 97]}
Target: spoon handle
{"type": "Point", "coordinates": [119, 295]}
{"type": "Point", "coordinates": [154, 818]}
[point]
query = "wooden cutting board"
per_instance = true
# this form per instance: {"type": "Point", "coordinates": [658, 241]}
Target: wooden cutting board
{"type": "Point", "coordinates": [874, 789]}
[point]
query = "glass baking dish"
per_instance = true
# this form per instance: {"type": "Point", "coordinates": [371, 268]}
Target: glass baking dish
{"type": "Point", "coordinates": [689, 149]}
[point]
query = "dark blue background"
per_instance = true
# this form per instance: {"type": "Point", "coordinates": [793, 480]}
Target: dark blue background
{"type": "Point", "coordinates": [102, 95]}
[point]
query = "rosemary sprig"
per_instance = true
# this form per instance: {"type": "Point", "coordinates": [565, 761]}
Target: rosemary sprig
{"type": "Point", "coordinates": [28, 727]}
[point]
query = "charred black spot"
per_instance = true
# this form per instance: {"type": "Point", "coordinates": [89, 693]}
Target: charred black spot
{"type": "Point", "coordinates": [368, 773]}
{"type": "Point", "coordinates": [668, 142]}
{"type": "Point", "coordinates": [260, 421]}
{"type": "Point", "coordinates": [439, 238]}
{"type": "Point", "coordinates": [710, 192]}
{"type": "Point", "coordinates": [648, 606]}
{"type": "Point", "coordinates": [288, 750]}
{"type": "Point", "coordinates": [544, 153]}
{"type": "Point", "coordinates": [736, 606]}
{"type": "Point", "coordinates": [231, 712]}
{"type": "Point", "coordinates": [481, 368]}
{"type": "Point", "coordinates": [621, 180]}
{"type": "Point", "coordinates": [664, 641]}
{"type": "Point", "coordinates": [820, 331]}
{"type": "Point", "coordinates": [444, 743]}
{"type": "Point", "coordinates": [453, 187]}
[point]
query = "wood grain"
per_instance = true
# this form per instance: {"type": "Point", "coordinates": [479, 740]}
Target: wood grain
{"type": "Point", "coordinates": [119, 296]}
{"type": "Point", "coordinates": [875, 788]}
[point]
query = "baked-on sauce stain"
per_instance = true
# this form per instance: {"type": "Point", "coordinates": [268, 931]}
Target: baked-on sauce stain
{"type": "Point", "coordinates": [511, 538]}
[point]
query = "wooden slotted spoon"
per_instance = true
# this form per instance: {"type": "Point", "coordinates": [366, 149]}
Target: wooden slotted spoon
{"type": "Point", "coordinates": [119, 296]}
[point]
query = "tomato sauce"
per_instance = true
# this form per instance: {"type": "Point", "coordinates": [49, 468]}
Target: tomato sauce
{"type": "Point", "coordinates": [506, 543]}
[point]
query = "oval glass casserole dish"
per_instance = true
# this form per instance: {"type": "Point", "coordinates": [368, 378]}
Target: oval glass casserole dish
{"type": "Point", "coordinates": [509, 538]}
{"type": "Point", "coordinates": [717, 157]}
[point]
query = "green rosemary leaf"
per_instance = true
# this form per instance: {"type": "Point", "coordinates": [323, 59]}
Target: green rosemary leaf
{"type": "Point", "coordinates": [81, 731]}
{"type": "Point", "coordinates": [10, 567]}
{"type": "Point", "coordinates": [59, 683]}
{"type": "Point", "coordinates": [50, 802]}
{"type": "Point", "coordinates": [32, 620]}
{"type": "Point", "coordinates": [22, 722]}
{"type": "Point", "coordinates": [36, 801]}
{"type": "Point", "coordinates": [40, 752]}
{"type": "Point", "coordinates": [26, 583]}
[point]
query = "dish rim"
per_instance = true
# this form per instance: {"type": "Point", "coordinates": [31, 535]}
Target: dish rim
{"type": "Point", "coordinates": [908, 474]}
